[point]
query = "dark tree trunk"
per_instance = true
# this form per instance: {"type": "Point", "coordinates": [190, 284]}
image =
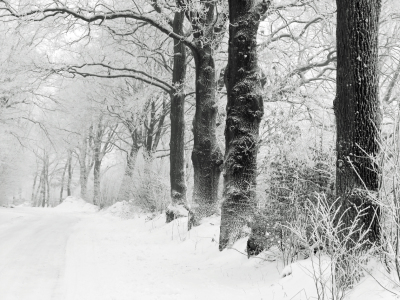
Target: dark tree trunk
{"type": "Point", "coordinates": [357, 112]}
{"type": "Point", "coordinates": [206, 156]}
{"type": "Point", "coordinates": [244, 112]}
{"type": "Point", "coordinates": [151, 127]}
{"type": "Point", "coordinates": [69, 173]}
{"type": "Point", "coordinates": [62, 180]}
{"type": "Point", "coordinates": [177, 115]}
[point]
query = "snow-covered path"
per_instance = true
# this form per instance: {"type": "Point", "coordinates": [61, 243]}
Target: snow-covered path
{"type": "Point", "coordinates": [32, 253]}
{"type": "Point", "coordinates": [47, 254]}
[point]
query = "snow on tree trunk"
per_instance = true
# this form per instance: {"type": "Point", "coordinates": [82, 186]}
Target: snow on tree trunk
{"type": "Point", "coordinates": [244, 112]}
{"type": "Point", "coordinates": [357, 111]}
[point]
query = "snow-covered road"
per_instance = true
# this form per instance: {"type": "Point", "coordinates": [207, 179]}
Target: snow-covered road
{"type": "Point", "coordinates": [32, 253]}
{"type": "Point", "coordinates": [48, 254]}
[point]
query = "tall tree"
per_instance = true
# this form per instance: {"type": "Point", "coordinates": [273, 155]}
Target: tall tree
{"type": "Point", "coordinates": [177, 147]}
{"type": "Point", "coordinates": [357, 112]}
{"type": "Point", "coordinates": [244, 111]}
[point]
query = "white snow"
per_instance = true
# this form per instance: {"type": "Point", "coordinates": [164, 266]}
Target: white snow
{"type": "Point", "coordinates": [74, 204]}
{"type": "Point", "coordinates": [64, 254]}
{"type": "Point", "coordinates": [122, 209]}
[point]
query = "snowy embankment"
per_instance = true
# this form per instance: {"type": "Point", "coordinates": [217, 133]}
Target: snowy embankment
{"type": "Point", "coordinates": [74, 204]}
{"type": "Point", "coordinates": [103, 256]}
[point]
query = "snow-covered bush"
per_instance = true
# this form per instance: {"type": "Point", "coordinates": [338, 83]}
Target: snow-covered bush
{"type": "Point", "coordinates": [292, 182]}
{"type": "Point", "coordinates": [389, 201]}
{"type": "Point", "coordinates": [339, 255]}
{"type": "Point", "coordinates": [151, 192]}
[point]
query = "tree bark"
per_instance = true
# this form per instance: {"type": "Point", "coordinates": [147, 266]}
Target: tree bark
{"type": "Point", "coordinates": [177, 115]}
{"type": "Point", "coordinates": [244, 112]}
{"type": "Point", "coordinates": [206, 156]}
{"type": "Point", "coordinates": [357, 113]}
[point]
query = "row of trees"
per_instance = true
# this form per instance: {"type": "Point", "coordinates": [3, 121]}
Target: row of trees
{"type": "Point", "coordinates": [143, 61]}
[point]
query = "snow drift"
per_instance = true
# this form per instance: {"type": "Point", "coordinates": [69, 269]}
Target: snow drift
{"type": "Point", "coordinates": [74, 204]}
{"type": "Point", "coordinates": [122, 209]}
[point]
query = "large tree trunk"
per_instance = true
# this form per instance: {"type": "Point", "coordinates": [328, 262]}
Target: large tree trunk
{"type": "Point", "coordinates": [244, 112]}
{"type": "Point", "coordinates": [206, 156]}
{"type": "Point", "coordinates": [126, 189]}
{"type": "Point", "coordinates": [357, 112]}
{"type": "Point", "coordinates": [177, 115]}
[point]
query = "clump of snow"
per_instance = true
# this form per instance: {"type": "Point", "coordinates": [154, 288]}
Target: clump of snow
{"type": "Point", "coordinates": [178, 210]}
{"type": "Point", "coordinates": [122, 209]}
{"type": "Point", "coordinates": [75, 204]}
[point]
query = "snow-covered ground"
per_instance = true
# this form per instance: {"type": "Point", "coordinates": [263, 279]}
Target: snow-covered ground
{"type": "Point", "coordinates": [75, 253]}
